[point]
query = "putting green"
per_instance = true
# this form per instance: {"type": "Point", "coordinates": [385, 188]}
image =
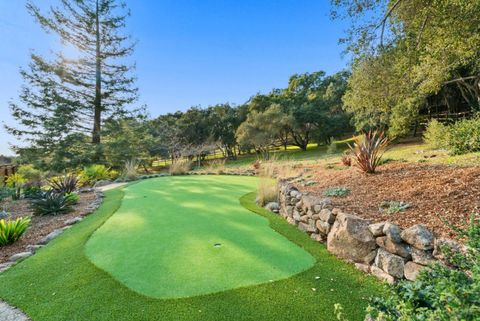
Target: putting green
{"type": "Point", "coordinates": [184, 236]}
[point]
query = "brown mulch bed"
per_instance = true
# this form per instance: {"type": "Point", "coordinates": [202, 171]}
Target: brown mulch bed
{"type": "Point", "coordinates": [41, 225]}
{"type": "Point", "coordinates": [432, 191]}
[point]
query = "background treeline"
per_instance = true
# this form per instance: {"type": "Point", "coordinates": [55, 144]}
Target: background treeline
{"type": "Point", "coordinates": [411, 61]}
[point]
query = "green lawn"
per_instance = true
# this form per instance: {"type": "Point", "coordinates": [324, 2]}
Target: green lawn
{"type": "Point", "coordinates": [61, 283]}
{"type": "Point", "coordinates": [161, 241]}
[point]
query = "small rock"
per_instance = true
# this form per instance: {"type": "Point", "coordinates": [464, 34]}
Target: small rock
{"type": "Point", "coordinates": [323, 227]}
{"type": "Point", "coordinates": [6, 266]}
{"type": "Point", "coordinates": [73, 220]}
{"type": "Point", "coordinates": [308, 227]}
{"type": "Point", "coordinates": [390, 263]}
{"type": "Point", "coordinates": [327, 216]}
{"type": "Point", "coordinates": [422, 257]}
{"type": "Point", "coordinates": [33, 248]}
{"type": "Point", "coordinates": [363, 267]}
{"type": "Point", "coordinates": [20, 256]}
{"type": "Point", "coordinates": [379, 273]}
{"type": "Point", "coordinates": [50, 237]}
{"type": "Point", "coordinates": [401, 249]}
{"type": "Point", "coordinates": [393, 232]}
{"type": "Point", "coordinates": [418, 236]}
{"type": "Point", "coordinates": [4, 215]}
{"type": "Point", "coordinates": [289, 210]}
{"type": "Point", "coordinates": [317, 237]}
{"type": "Point", "coordinates": [412, 270]}
{"type": "Point", "coordinates": [273, 207]}
{"type": "Point", "coordinates": [377, 229]}
{"type": "Point", "coordinates": [317, 208]}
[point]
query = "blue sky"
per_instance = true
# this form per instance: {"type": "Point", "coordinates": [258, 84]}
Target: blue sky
{"type": "Point", "coordinates": [194, 52]}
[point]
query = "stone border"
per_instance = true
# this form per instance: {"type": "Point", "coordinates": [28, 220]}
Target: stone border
{"type": "Point", "coordinates": [382, 249]}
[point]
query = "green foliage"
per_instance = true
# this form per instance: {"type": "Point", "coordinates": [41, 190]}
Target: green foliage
{"type": "Point", "coordinates": [16, 182]}
{"type": "Point", "coordinates": [12, 230]}
{"type": "Point", "coordinates": [392, 207]}
{"type": "Point", "coordinates": [32, 175]}
{"type": "Point", "coordinates": [464, 136]}
{"type": "Point", "coordinates": [94, 173]}
{"type": "Point", "coordinates": [367, 150]}
{"type": "Point", "coordinates": [72, 198]}
{"type": "Point", "coordinates": [336, 192]}
{"type": "Point", "coordinates": [52, 204]}
{"type": "Point", "coordinates": [436, 134]}
{"type": "Point", "coordinates": [439, 292]}
{"type": "Point", "coordinates": [32, 192]}
{"type": "Point", "coordinates": [64, 184]}
{"type": "Point", "coordinates": [5, 192]}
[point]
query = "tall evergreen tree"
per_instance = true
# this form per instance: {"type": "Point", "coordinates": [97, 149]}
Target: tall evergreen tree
{"type": "Point", "coordinates": [67, 96]}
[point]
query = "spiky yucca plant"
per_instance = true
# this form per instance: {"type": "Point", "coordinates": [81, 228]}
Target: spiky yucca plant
{"type": "Point", "coordinates": [12, 230]}
{"type": "Point", "coordinates": [52, 204]}
{"type": "Point", "coordinates": [367, 150]}
{"type": "Point", "coordinates": [65, 184]}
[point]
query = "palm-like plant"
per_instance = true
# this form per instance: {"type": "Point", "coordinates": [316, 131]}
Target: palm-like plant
{"type": "Point", "coordinates": [65, 184]}
{"type": "Point", "coordinates": [11, 231]}
{"type": "Point", "coordinates": [367, 150]}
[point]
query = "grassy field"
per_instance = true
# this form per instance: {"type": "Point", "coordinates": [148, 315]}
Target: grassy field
{"type": "Point", "coordinates": [161, 241]}
{"type": "Point", "coordinates": [60, 283]}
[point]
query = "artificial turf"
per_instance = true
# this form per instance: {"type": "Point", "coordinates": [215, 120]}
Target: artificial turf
{"type": "Point", "coordinates": [60, 283]}
{"type": "Point", "coordinates": [184, 236]}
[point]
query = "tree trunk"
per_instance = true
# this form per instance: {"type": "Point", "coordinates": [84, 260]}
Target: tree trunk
{"type": "Point", "coordinates": [97, 120]}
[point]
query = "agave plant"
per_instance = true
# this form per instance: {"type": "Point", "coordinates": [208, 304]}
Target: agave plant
{"type": "Point", "coordinates": [367, 151]}
{"type": "Point", "coordinates": [52, 204]}
{"type": "Point", "coordinates": [12, 230]}
{"type": "Point", "coordinates": [65, 184]}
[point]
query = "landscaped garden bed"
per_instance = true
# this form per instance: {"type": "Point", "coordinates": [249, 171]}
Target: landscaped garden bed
{"type": "Point", "coordinates": [41, 225]}
{"type": "Point", "coordinates": [431, 193]}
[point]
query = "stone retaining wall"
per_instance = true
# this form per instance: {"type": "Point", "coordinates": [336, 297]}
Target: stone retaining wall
{"type": "Point", "coordinates": [382, 249]}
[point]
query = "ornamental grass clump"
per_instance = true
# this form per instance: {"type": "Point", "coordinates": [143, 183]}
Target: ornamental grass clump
{"type": "Point", "coordinates": [367, 151]}
{"type": "Point", "coordinates": [180, 167]}
{"type": "Point", "coordinates": [12, 230]}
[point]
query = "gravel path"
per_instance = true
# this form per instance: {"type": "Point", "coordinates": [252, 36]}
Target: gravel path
{"type": "Point", "coordinates": [8, 313]}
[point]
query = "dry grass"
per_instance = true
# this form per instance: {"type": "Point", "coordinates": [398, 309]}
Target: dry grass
{"type": "Point", "coordinates": [267, 190]}
{"type": "Point", "coordinates": [215, 166]}
{"type": "Point", "coordinates": [180, 167]}
{"type": "Point", "coordinates": [130, 169]}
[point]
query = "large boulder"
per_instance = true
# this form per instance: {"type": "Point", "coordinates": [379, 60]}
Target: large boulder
{"type": "Point", "coordinates": [422, 257]}
{"type": "Point", "coordinates": [308, 227]}
{"type": "Point", "coordinates": [350, 239]}
{"type": "Point", "coordinates": [390, 263]}
{"type": "Point", "coordinates": [419, 237]}
{"type": "Point", "coordinates": [327, 216]}
{"type": "Point", "coordinates": [401, 249]}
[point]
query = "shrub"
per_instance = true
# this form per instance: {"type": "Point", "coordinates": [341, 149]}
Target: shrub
{"type": "Point", "coordinates": [464, 136]}
{"type": "Point", "coordinates": [16, 182]}
{"type": "Point", "coordinates": [94, 173]}
{"type": "Point", "coordinates": [64, 184]}
{"type": "Point", "coordinates": [439, 292]}
{"type": "Point", "coordinates": [12, 230]}
{"type": "Point", "coordinates": [336, 192]}
{"type": "Point", "coordinates": [32, 176]}
{"type": "Point", "coordinates": [5, 192]}
{"type": "Point", "coordinates": [436, 134]}
{"type": "Point", "coordinates": [368, 150]}
{"type": "Point", "coordinates": [32, 192]}
{"type": "Point", "coordinates": [267, 190]}
{"type": "Point", "coordinates": [73, 198]}
{"type": "Point", "coordinates": [180, 167]}
{"type": "Point", "coordinates": [130, 170]}
{"type": "Point", "coordinates": [392, 207]}
{"type": "Point", "coordinates": [52, 204]}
